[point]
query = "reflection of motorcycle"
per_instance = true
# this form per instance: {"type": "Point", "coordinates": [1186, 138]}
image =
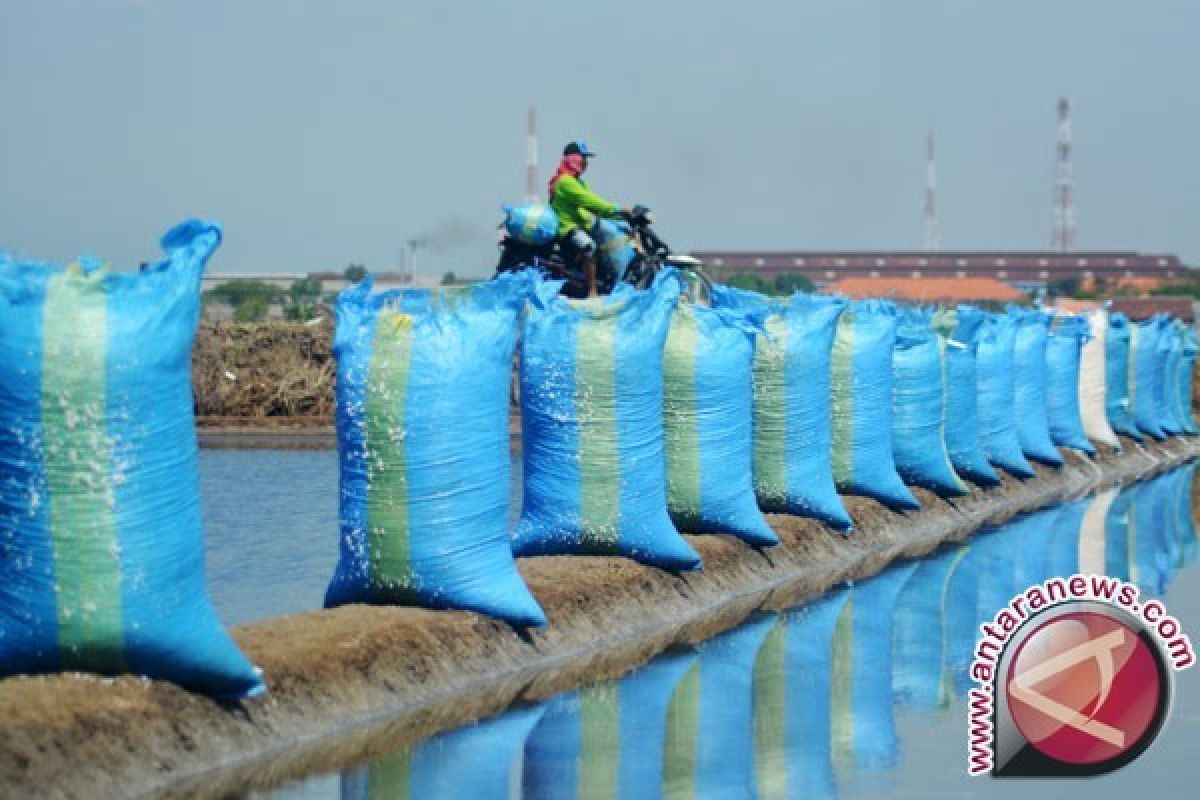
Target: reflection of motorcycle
{"type": "Point", "coordinates": [627, 250]}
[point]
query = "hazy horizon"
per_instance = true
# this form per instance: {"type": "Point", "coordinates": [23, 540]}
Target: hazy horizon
{"type": "Point", "coordinates": [324, 134]}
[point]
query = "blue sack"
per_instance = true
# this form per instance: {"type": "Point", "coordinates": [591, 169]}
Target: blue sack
{"type": "Point", "coordinates": [101, 544]}
{"type": "Point", "coordinates": [861, 397]}
{"type": "Point", "coordinates": [592, 423]}
{"type": "Point", "coordinates": [1029, 400]}
{"type": "Point", "coordinates": [1168, 359]}
{"type": "Point", "coordinates": [609, 736]}
{"type": "Point", "coordinates": [1118, 361]}
{"type": "Point", "coordinates": [792, 434]}
{"type": "Point", "coordinates": [708, 415]}
{"type": "Point", "coordinates": [959, 330]}
{"type": "Point", "coordinates": [997, 395]}
{"type": "Point", "coordinates": [1174, 399]}
{"type": "Point", "coordinates": [614, 246]}
{"type": "Point", "coordinates": [1146, 379]}
{"type": "Point", "coordinates": [422, 419]}
{"type": "Point", "coordinates": [1064, 346]}
{"type": "Point", "coordinates": [1184, 378]}
{"type": "Point", "coordinates": [919, 407]}
{"type": "Point", "coordinates": [533, 223]}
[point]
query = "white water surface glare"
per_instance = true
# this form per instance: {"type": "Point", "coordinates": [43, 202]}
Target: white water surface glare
{"type": "Point", "coordinates": [857, 695]}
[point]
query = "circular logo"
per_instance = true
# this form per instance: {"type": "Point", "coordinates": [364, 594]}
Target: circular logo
{"type": "Point", "coordinates": [1088, 688]}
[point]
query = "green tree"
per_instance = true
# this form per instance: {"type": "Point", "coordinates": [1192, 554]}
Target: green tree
{"type": "Point", "coordinates": [750, 281]}
{"type": "Point", "coordinates": [1064, 287]}
{"type": "Point", "coordinates": [788, 282]}
{"type": "Point", "coordinates": [301, 301]}
{"type": "Point", "coordinates": [449, 278]}
{"type": "Point", "coordinates": [354, 273]}
{"type": "Point", "coordinates": [252, 309]}
{"type": "Point", "coordinates": [238, 291]}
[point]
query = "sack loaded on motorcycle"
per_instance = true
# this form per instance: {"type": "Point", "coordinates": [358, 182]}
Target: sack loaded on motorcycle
{"type": "Point", "coordinates": [531, 224]}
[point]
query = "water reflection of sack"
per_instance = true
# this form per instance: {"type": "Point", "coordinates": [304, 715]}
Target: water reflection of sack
{"type": "Point", "coordinates": [103, 550]}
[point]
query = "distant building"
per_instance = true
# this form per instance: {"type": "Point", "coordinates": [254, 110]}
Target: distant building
{"type": "Point", "coordinates": [1022, 269]}
{"type": "Point", "coordinates": [1138, 308]}
{"type": "Point", "coordinates": [927, 290]}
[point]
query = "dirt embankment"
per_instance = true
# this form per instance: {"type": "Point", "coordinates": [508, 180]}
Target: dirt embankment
{"type": "Point", "coordinates": [355, 682]}
{"type": "Point", "coordinates": [273, 375]}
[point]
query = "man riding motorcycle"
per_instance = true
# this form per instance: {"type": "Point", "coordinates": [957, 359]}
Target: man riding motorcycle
{"type": "Point", "coordinates": [578, 208]}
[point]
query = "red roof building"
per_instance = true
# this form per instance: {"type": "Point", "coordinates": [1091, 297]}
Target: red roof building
{"type": "Point", "coordinates": [927, 290]}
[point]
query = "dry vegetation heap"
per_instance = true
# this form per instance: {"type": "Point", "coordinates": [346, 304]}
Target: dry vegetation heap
{"type": "Point", "coordinates": [264, 372]}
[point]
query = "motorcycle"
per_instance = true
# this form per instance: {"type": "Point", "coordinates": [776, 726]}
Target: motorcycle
{"type": "Point", "coordinates": [628, 250]}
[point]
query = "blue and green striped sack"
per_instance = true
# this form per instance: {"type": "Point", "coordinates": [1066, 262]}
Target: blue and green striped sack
{"type": "Point", "coordinates": [1145, 378]}
{"type": "Point", "coordinates": [422, 420]}
{"type": "Point", "coordinates": [919, 407]}
{"type": "Point", "coordinates": [1118, 364]}
{"type": "Point", "coordinates": [1064, 347]}
{"type": "Point", "coordinates": [1184, 378]}
{"type": "Point", "coordinates": [958, 331]}
{"type": "Point", "coordinates": [101, 543]}
{"type": "Point", "coordinates": [861, 399]}
{"type": "Point", "coordinates": [606, 740]}
{"type": "Point", "coordinates": [997, 395]}
{"type": "Point", "coordinates": [709, 746]}
{"type": "Point", "coordinates": [480, 760]}
{"type": "Point", "coordinates": [595, 465]}
{"type": "Point", "coordinates": [1176, 403]}
{"type": "Point", "coordinates": [1167, 359]}
{"type": "Point", "coordinates": [533, 223]}
{"type": "Point", "coordinates": [792, 709]}
{"type": "Point", "coordinates": [793, 473]}
{"type": "Point", "coordinates": [1029, 397]}
{"type": "Point", "coordinates": [863, 732]}
{"type": "Point", "coordinates": [708, 417]}
{"type": "Point", "coordinates": [615, 250]}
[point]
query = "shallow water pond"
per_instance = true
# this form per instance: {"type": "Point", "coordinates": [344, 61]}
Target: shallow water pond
{"type": "Point", "coordinates": [859, 694]}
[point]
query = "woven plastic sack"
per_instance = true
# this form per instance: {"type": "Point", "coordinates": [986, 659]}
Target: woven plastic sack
{"type": "Point", "coordinates": [480, 760]}
{"type": "Point", "coordinates": [997, 395]}
{"type": "Point", "coordinates": [861, 379]}
{"type": "Point", "coordinates": [101, 545]}
{"type": "Point", "coordinates": [1118, 364]}
{"type": "Point", "coordinates": [1064, 347]}
{"type": "Point", "coordinates": [958, 331]}
{"type": "Point", "coordinates": [606, 737]}
{"type": "Point", "coordinates": [1170, 352]}
{"type": "Point", "coordinates": [1174, 399]}
{"type": "Point", "coordinates": [592, 419]}
{"type": "Point", "coordinates": [1185, 377]}
{"type": "Point", "coordinates": [792, 434]}
{"type": "Point", "coordinates": [1029, 399]}
{"type": "Point", "coordinates": [614, 246]}
{"type": "Point", "coordinates": [793, 679]}
{"type": "Point", "coordinates": [709, 745]}
{"type": "Point", "coordinates": [422, 422]}
{"type": "Point", "coordinates": [1146, 378]}
{"type": "Point", "coordinates": [1093, 377]}
{"type": "Point", "coordinates": [708, 416]}
{"type": "Point", "coordinates": [532, 224]}
{"type": "Point", "coordinates": [919, 407]}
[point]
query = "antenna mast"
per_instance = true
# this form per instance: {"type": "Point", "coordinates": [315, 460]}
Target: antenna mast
{"type": "Point", "coordinates": [932, 235]}
{"type": "Point", "coordinates": [531, 152]}
{"type": "Point", "coordinates": [1063, 239]}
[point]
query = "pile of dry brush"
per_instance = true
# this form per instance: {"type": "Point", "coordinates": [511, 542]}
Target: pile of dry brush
{"type": "Point", "coordinates": [263, 370]}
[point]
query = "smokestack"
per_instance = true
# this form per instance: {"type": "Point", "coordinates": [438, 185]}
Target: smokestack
{"type": "Point", "coordinates": [932, 234]}
{"type": "Point", "coordinates": [531, 158]}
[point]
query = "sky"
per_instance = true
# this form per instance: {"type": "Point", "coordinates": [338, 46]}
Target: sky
{"type": "Point", "coordinates": [328, 133]}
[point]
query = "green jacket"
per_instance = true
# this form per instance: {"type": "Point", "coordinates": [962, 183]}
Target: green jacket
{"type": "Point", "coordinates": [577, 206]}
